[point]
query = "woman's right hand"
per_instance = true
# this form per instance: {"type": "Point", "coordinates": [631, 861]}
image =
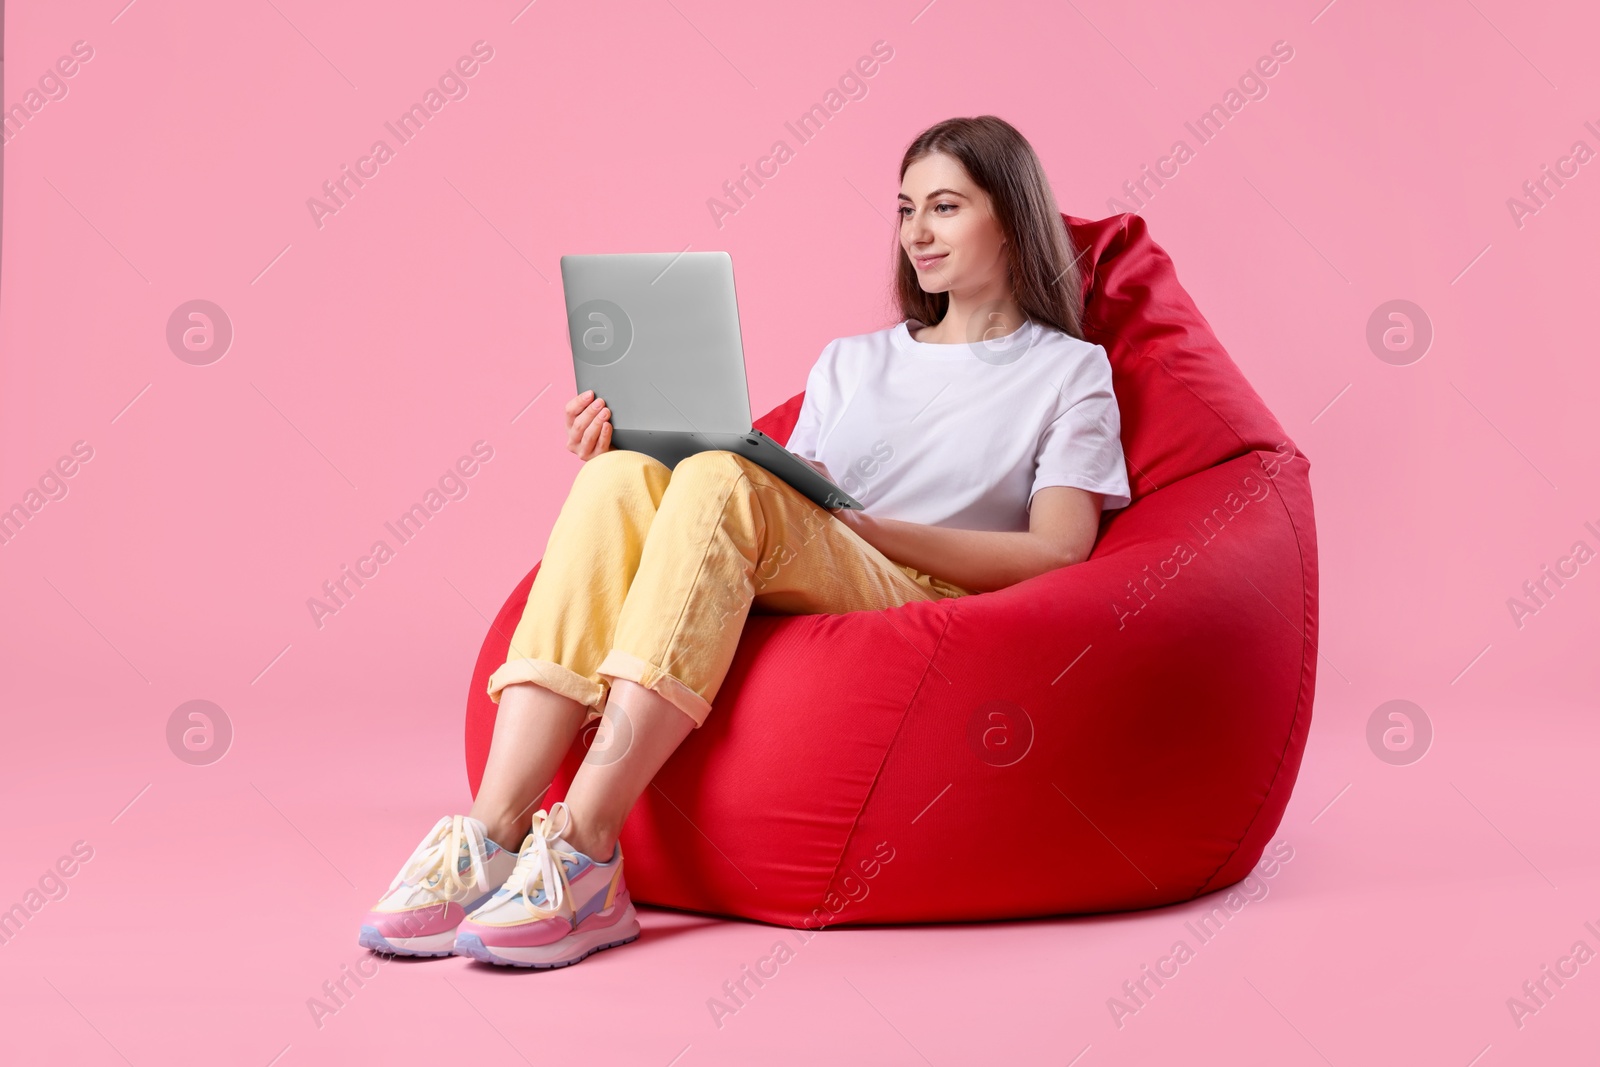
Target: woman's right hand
{"type": "Point", "coordinates": [588, 425]}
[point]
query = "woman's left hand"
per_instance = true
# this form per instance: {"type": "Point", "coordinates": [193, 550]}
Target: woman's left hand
{"type": "Point", "coordinates": [854, 518]}
{"type": "Point", "coordinates": [857, 520]}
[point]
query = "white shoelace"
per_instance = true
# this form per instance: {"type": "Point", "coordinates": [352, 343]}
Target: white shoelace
{"type": "Point", "coordinates": [540, 864]}
{"type": "Point", "coordinates": [434, 862]}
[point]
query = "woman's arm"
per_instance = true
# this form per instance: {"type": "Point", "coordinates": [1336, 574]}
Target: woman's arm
{"type": "Point", "coordinates": [1062, 527]}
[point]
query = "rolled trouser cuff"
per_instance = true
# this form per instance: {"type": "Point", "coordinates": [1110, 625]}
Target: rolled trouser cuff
{"type": "Point", "coordinates": [554, 677]}
{"type": "Point", "coordinates": [620, 664]}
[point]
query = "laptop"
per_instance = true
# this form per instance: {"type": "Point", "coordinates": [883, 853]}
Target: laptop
{"type": "Point", "coordinates": [656, 336]}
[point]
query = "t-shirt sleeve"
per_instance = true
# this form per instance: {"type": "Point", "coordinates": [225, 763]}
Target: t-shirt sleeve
{"type": "Point", "coordinates": [1082, 446]}
{"type": "Point", "coordinates": [820, 386]}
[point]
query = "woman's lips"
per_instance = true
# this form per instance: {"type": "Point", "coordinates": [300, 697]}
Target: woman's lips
{"type": "Point", "coordinates": [924, 262]}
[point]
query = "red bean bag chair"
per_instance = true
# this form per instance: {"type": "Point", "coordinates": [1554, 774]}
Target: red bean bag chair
{"type": "Point", "coordinates": [1117, 734]}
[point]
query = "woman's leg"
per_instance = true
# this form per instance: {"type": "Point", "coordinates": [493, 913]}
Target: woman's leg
{"type": "Point", "coordinates": [533, 730]}
{"type": "Point", "coordinates": [638, 731]}
{"type": "Point", "coordinates": [727, 534]}
{"type": "Point", "coordinates": [548, 687]}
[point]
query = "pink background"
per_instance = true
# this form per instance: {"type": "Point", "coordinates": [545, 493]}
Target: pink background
{"type": "Point", "coordinates": [426, 315]}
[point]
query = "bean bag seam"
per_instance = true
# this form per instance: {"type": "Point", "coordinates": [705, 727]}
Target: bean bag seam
{"type": "Point", "coordinates": [1294, 721]}
{"type": "Point", "coordinates": [1092, 317]}
{"type": "Point", "coordinates": [855, 824]}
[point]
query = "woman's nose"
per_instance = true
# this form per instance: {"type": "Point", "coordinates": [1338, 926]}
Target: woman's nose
{"type": "Point", "coordinates": [917, 228]}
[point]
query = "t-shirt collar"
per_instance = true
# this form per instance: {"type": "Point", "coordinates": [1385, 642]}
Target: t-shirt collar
{"type": "Point", "coordinates": [1024, 335]}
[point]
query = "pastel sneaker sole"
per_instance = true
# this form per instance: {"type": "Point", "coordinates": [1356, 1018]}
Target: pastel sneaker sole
{"type": "Point", "coordinates": [441, 944]}
{"type": "Point", "coordinates": [563, 953]}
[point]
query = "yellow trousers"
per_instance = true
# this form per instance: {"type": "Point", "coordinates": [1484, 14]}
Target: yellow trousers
{"type": "Point", "coordinates": [650, 573]}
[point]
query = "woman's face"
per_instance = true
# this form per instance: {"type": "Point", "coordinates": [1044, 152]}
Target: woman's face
{"type": "Point", "coordinates": [948, 228]}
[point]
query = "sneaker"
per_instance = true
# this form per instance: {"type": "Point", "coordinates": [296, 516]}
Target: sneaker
{"type": "Point", "coordinates": [448, 875]}
{"type": "Point", "coordinates": [557, 907]}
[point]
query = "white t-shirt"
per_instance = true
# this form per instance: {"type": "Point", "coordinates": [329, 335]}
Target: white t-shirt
{"type": "Point", "coordinates": [963, 435]}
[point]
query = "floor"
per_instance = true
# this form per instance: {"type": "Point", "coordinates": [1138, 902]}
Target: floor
{"type": "Point", "coordinates": [1409, 906]}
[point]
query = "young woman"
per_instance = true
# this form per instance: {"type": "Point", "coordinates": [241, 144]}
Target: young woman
{"type": "Point", "coordinates": [981, 434]}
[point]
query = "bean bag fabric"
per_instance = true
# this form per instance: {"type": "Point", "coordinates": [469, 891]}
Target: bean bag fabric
{"type": "Point", "coordinates": [1117, 734]}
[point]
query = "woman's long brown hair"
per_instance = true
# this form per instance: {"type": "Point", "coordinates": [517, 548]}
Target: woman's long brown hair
{"type": "Point", "coordinates": [1043, 263]}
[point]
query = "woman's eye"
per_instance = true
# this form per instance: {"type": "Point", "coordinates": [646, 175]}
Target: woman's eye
{"type": "Point", "coordinates": [941, 207]}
